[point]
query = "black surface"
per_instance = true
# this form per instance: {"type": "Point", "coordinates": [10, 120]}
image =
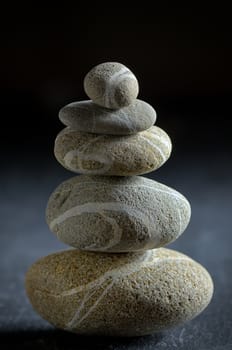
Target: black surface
{"type": "Point", "coordinates": [25, 237]}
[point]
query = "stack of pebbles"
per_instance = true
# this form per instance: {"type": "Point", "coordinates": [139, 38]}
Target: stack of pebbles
{"type": "Point", "coordinates": [115, 282]}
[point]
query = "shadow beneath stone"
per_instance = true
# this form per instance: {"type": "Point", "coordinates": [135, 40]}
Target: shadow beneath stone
{"type": "Point", "coordinates": [61, 340]}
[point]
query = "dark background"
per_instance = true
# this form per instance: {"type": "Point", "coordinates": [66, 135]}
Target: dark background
{"type": "Point", "coordinates": [181, 56]}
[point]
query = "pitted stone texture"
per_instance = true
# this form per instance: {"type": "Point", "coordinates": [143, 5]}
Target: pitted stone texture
{"type": "Point", "coordinates": [86, 116]}
{"type": "Point", "coordinates": [118, 294]}
{"type": "Point", "coordinates": [111, 85]}
{"type": "Point", "coordinates": [116, 214]}
{"type": "Point", "coordinates": [95, 154]}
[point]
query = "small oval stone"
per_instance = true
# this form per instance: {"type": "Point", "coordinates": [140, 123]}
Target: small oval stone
{"type": "Point", "coordinates": [111, 85]}
{"type": "Point", "coordinates": [86, 116]}
{"type": "Point", "coordinates": [129, 294]}
{"type": "Point", "coordinates": [116, 214]}
{"type": "Point", "coordinates": [96, 154]}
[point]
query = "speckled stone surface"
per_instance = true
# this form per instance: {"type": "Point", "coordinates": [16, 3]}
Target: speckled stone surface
{"type": "Point", "coordinates": [95, 154]}
{"type": "Point", "coordinates": [116, 214]}
{"type": "Point", "coordinates": [111, 85]}
{"type": "Point", "coordinates": [118, 294]}
{"type": "Point", "coordinates": [86, 116]}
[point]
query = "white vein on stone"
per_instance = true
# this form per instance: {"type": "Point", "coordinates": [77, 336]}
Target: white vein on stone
{"type": "Point", "coordinates": [116, 234]}
{"type": "Point", "coordinates": [147, 217]}
{"type": "Point", "coordinates": [77, 319]}
{"type": "Point", "coordinates": [113, 82]}
{"type": "Point", "coordinates": [97, 207]}
{"type": "Point", "coordinates": [162, 139]}
{"type": "Point", "coordinates": [109, 86]}
{"type": "Point", "coordinates": [180, 223]}
{"type": "Point", "coordinates": [113, 275]}
{"type": "Point", "coordinates": [124, 119]}
{"type": "Point", "coordinates": [154, 146]}
{"type": "Point", "coordinates": [148, 259]}
{"type": "Point", "coordinates": [82, 154]}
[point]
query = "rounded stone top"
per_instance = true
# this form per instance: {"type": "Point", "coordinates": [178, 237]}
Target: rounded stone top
{"type": "Point", "coordinates": [111, 85]}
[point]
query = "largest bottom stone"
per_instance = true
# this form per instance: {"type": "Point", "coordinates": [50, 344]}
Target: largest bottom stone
{"type": "Point", "coordinates": [118, 294]}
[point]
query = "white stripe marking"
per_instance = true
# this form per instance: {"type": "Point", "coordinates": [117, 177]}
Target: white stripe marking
{"type": "Point", "coordinates": [163, 156]}
{"type": "Point", "coordinates": [112, 83]}
{"type": "Point", "coordinates": [81, 155]}
{"type": "Point", "coordinates": [109, 88]}
{"type": "Point", "coordinates": [162, 139]}
{"type": "Point", "coordinates": [147, 216]}
{"type": "Point", "coordinates": [96, 207]}
{"type": "Point", "coordinates": [111, 277]}
{"type": "Point", "coordinates": [180, 223]}
{"type": "Point", "coordinates": [116, 232]}
{"type": "Point", "coordinates": [101, 157]}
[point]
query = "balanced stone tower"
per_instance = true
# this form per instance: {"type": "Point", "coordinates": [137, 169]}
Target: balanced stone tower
{"type": "Point", "coordinates": [118, 281]}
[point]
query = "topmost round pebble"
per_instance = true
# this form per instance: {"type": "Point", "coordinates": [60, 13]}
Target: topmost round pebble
{"type": "Point", "coordinates": [111, 85]}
